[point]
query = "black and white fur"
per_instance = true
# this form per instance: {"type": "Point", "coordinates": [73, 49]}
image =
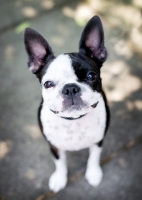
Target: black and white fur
{"type": "Point", "coordinates": [73, 114]}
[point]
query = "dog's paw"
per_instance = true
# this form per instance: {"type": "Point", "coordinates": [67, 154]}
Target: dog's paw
{"type": "Point", "coordinates": [94, 176]}
{"type": "Point", "coordinates": [57, 181]}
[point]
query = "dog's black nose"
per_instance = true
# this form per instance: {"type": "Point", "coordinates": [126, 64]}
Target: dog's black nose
{"type": "Point", "coordinates": [70, 90]}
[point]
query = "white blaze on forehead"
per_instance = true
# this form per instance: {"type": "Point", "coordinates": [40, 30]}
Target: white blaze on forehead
{"type": "Point", "coordinates": [60, 70]}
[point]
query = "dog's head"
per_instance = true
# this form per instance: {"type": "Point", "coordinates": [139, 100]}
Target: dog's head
{"type": "Point", "coordinates": [71, 83]}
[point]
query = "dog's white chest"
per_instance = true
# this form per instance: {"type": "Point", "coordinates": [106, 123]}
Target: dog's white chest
{"type": "Point", "coordinates": [74, 134]}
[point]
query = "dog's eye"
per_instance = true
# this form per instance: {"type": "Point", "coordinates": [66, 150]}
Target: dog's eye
{"type": "Point", "coordinates": [91, 76]}
{"type": "Point", "coordinates": [48, 84]}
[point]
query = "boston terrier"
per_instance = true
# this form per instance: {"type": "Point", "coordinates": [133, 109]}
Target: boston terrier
{"type": "Point", "coordinates": [73, 114]}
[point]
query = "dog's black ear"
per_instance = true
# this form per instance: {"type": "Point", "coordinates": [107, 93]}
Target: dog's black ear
{"type": "Point", "coordinates": [92, 40]}
{"type": "Point", "coordinates": [38, 50]}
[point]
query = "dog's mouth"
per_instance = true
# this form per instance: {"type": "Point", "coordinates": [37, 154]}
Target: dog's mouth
{"type": "Point", "coordinates": [71, 118]}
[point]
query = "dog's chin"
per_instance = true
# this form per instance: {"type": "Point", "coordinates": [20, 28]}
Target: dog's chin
{"type": "Point", "coordinates": [74, 111]}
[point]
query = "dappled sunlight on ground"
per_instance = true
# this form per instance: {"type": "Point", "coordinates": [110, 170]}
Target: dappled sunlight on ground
{"type": "Point", "coordinates": [33, 131]}
{"type": "Point", "coordinates": [5, 147]}
{"type": "Point", "coordinates": [135, 105]}
{"type": "Point", "coordinates": [121, 48]}
{"type": "Point", "coordinates": [9, 52]}
{"type": "Point", "coordinates": [29, 12]}
{"type": "Point", "coordinates": [118, 81]}
{"type": "Point", "coordinates": [47, 4]}
{"type": "Point", "coordinates": [30, 174]}
{"type": "Point", "coordinates": [81, 14]}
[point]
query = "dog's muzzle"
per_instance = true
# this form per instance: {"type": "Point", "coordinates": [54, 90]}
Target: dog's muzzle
{"type": "Point", "coordinates": [71, 118]}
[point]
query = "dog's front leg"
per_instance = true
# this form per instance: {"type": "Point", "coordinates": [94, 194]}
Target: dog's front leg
{"type": "Point", "coordinates": [58, 179]}
{"type": "Point", "coordinates": [94, 172]}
